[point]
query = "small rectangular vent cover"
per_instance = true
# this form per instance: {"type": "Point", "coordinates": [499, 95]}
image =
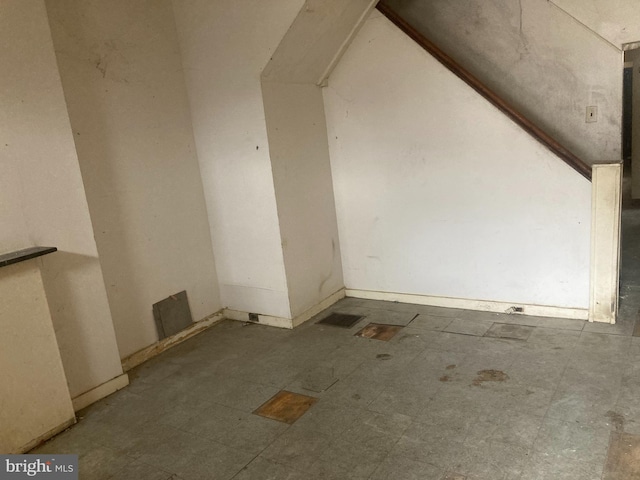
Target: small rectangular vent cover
{"type": "Point", "coordinates": [341, 320]}
{"type": "Point", "coordinates": [172, 314]}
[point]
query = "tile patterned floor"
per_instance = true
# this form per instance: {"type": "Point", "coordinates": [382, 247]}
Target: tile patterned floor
{"type": "Point", "coordinates": [453, 395]}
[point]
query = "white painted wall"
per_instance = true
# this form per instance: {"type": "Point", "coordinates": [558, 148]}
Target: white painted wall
{"type": "Point", "coordinates": [298, 146]}
{"type": "Point", "coordinates": [304, 192]}
{"type": "Point", "coordinates": [43, 198]}
{"type": "Point", "coordinates": [438, 193]}
{"type": "Point", "coordinates": [225, 46]}
{"type": "Point", "coordinates": [540, 59]}
{"type": "Point", "coordinates": [122, 75]}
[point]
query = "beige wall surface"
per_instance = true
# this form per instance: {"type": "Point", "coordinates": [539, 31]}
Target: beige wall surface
{"type": "Point", "coordinates": [40, 163]}
{"type": "Point", "coordinates": [225, 46]}
{"type": "Point", "coordinates": [34, 395]}
{"type": "Point", "coordinates": [124, 87]}
{"type": "Point", "coordinates": [540, 59]}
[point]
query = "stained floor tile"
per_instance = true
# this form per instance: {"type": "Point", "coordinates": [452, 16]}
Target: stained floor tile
{"type": "Point", "coordinates": [469, 326]}
{"type": "Point", "coordinates": [623, 461]}
{"type": "Point", "coordinates": [389, 317]}
{"type": "Point", "coordinates": [378, 331]}
{"type": "Point", "coordinates": [430, 322]}
{"type": "Point", "coordinates": [286, 407]}
{"type": "Point", "coordinates": [315, 380]}
{"type": "Point", "coordinates": [505, 330]}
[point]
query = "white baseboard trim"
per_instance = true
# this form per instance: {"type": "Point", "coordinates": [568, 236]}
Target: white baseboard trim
{"type": "Point", "coordinates": [270, 320]}
{"type": "Point", "coordinates": [151, 351]}
{"type": "Point", "coordinates": [467, 304]}
{"type": "Point", "coordinates": [99, 392]}
{"type": "Point", "coordinates": [282, 322]}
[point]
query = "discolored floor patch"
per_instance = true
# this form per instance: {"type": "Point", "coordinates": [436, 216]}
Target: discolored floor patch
{"type": "Point", "coordinates": [379, 331]}
{"type": "Point", "coordinates": [286, 406]}
{"type": "Point", "coordinates": [514, 332]}
{"type": "Point", "coordinates": [623, 461]}
{"type": "Point", "coordinates": [448, 378]}
{"type": "Point", "coordinates": [317, 379]}
{"type": "Point", "coordinates": [490, 376]}
{"type": "Point", "coordinates": [616, 420]}
{"type": "Point", "coordinates": [343, 320]}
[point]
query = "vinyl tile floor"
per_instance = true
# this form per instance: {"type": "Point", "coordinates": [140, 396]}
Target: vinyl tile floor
{"type": "Point", "coordinates": [454, 394]}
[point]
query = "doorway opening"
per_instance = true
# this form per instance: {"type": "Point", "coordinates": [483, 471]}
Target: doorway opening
{"type": "Point", "coordinates": [631, 124]}
{"type": "Point", "coordinates": [630, 242]}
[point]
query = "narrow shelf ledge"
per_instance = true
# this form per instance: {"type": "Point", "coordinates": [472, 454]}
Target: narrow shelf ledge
{"type": "Point", "coordinates": [18, 256]}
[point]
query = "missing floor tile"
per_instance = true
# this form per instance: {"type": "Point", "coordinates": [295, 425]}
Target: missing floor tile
{"type": "Point", "coordinates": [343, 320]}
{"type": "Point", "coordinates": [286, 407]}
{"type": "Point", "coordinates": [513, 332]}
{"type": "Point", "coordinates": [378, 331]}
{"type": "Point", "coordinates": [623, 460]}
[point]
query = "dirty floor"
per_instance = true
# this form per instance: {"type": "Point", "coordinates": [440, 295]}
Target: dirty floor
{"type": "Point", "coordinates": [441, 394]}
{"type": "Point", "coordinates": [452, 395]}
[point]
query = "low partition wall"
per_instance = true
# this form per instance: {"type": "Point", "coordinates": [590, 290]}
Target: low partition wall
{"type": "Point", "coordinates": [35, 399]}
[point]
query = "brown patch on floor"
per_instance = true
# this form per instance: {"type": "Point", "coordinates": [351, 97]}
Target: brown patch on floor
{"type": "Point", "coordinates": [378, 331]}
{"type": "Point", "coordinates": [286, 407]}
{"type": "Point", "coordinates": [383, 356]}
{"type": "Point", "coordinates": [490, 376]}
{"type": "Point", "coordinates": [616, 419]}
{"type": "Point", "coordinates": [623, 461]}
{"type": "Point", "coordinates": [450, 367]}
{"type": "Point", "coordinates": [445, 378]}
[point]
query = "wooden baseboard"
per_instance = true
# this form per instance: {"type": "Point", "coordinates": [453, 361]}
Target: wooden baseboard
{"type": "Point", "coordinates": [151, 351]}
